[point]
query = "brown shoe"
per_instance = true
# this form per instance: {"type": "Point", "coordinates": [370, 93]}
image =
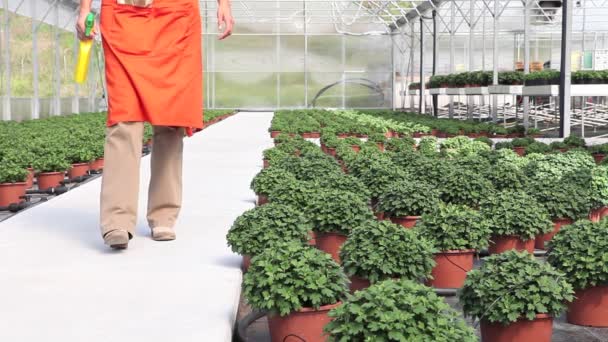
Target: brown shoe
{"type": "Point", "coordinates": [117, 239]}
{"type": "Point", "coordinates": [163, 234]}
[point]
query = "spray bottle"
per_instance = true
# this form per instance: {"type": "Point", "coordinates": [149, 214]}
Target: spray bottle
{"type": "Point", "coordinates": [84, 54]}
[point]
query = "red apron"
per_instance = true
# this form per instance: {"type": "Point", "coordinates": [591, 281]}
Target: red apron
{"type": "Point", "coordinates": [153, 62]}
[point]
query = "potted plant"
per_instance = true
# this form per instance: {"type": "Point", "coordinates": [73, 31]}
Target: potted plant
{"type": "Point", "coordinates": [334, 214]}
{"type": "Point", "coordinates": [537, 147]}
{"type": "Point", "coordinates": [559, 146]}
{"type": "Point", "coordinates": [573, 141]}
{"type": "Point", "coordinates": [599, 193]}
{"type": "Point", "coordinates": [485, 140]}
{"type": "Point", "coordinates": [262, 227]}
{"type": "Point", "coordinates": [511, 78]}
{"type": "Point", "coordinates": [580, 251]}
{"type": "Point", "coordinates": [464, 186]}
{"type": "Point", "coordinates": [457, 232]}
{"type": "Point", "coordinates": [379, 250]}
{"type": "Point", "coordinates": [534, 133]}
{"type": "Point", "coordinates": [406, 201]}
{"type": "Point", "coordinates": [515, 219]}
{"type": "Point", "coordinates": [516, 131]}
{"type": "Point", "coordinates": [344, 182]}
{"type": "Point", "coordinates": [498, 131]}
{"type": "Point", "coordinates": [12, 183]}
{"type": "Point", "coordinates": [598, 152]}
{"type": "Point", "coordinates": [354, 143]}
{"type": "Point", "coordinates": [97, 149]}
{"type": "Point", "coordinates": [52, 166]}
{"type": "Point", "coordinates": [401, 144]}
{"type": "Point", "coordinates": [297, 285]}
{"type": "Point", "coordinates": [428, 146]}
{"type": "Point", "coordinates": [269, 180]}
{"type": "Point", "coordinates": [503, 145]}
{"type": "Point", "coordinates": [520, 145]}
{"type": "Point", "coordinates": [377, 172]}
{"type": "Point", "coordinates": [400, 310]}
{"type": "Point", "coordinates": [513, 294]}
{"type": "Point", "coordinates": [379, 139]}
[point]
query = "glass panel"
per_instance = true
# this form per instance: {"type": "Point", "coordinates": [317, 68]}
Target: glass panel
{"type": "Point", "coordinates": [292, 89]}
{"type": "Point", "coordinates": [324, 53]}
{"type": "Point", "coordinates": [245, 89]}
{"type": "Point", "coordinates": [368, 53]}
{"type": "Point", "coordinates": [292, 53]}
{"type": "Point", "coordinates": [331, 96]}
{"type": "Point", "coordinates": [368, 90]}
{"type": "Point", "coordinates": [245, 53]}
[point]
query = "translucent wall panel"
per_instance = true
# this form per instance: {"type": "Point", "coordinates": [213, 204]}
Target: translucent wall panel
{"type": "Point", "coordinates": [324, 53]}
{"type": "Point", "coordinates": [292, 90]}
{"type": "Point", "coordinates": [368, 90]}
{"type": "Point", "coordinates": [245, 53]}
{"type": "Point", "coordinates": [245, 89]}
{"type": "Point", "coordinates": [332, 97]}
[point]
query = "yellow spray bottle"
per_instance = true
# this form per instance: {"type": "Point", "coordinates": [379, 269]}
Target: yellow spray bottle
{"type": "Point", "coordinates": [84, 54]}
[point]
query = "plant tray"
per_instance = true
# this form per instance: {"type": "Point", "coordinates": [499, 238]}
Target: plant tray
{"type": "Point", "coordinates": [438, 91]}
{"type": "Point", "coordinates": [575, 90]}
{"type": "Point", "coordinates": [455, 91]}
{"type": "Point", "coordinates": [506, 89]}
{"type": "Point", "coordinates": [476, 91]}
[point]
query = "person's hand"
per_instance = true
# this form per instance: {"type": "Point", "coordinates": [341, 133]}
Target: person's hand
{"type": "Point", "coordinates": [80, 27]}
{"type": "Point", "coordinates": [224, 18]}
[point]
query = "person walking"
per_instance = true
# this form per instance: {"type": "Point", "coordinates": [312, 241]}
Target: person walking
{"type": "Point", "coordinates": [154, 74]}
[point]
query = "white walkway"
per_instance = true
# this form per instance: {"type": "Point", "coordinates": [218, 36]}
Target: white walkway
{"type": "Point", "coordinates": [59, 283]}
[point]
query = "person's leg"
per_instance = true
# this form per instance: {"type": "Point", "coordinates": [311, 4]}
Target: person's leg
{"type": "Point", "coordinates": [120, 180]}
{"type": "Point", "coordinates": [165, 190]}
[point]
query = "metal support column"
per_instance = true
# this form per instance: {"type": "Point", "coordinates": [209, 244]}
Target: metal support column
{"type": "Point", "coordinates": [304, 21]}
{"type": "Point", "coordinates": [525, 99]}
{"type": "Point", "coordinates": [495, 60]}
{"type": "Point", "coordinates": [56, 107]}
{"type": "Point", "coordinates": [452, 52]}
{"type": "Point", "coordinates": [76, 98]}
{"type": "Point", "coordinates": [435, 98]}
{"type": "Point", "coordinates": [470, 99]}
{"type": "Point", "coordinates": [412, 45]}
{"type": "Point", "coordinates": [35, 64]}
{"type": "Point", "coordinates": [343, 42]}
{"type": "Point", "coordinates": [421, 104]}
{"type": "Point", "coordinates": [564, 79]}
{"type": "Point", "coordinates": [6, 99]}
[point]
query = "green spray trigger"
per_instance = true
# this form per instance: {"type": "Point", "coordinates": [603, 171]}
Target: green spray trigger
{"type": "Point", "coordinates": [89, 23]}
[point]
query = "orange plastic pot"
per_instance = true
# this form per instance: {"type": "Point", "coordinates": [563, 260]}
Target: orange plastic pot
{"type": "Point", "coordinates": [305, 324]}
{"type": "Point", "coordinates": [537, 330]}
{"type": "Point", "coordinates": [11, 193]}
{"type": "Point", "coordinates": [343, 135]}
{"type": "Point", "coordinates": [590, 308]}
{"type": "Point", "coordinates": [597, 214]}
{"type": "Point", "coordinates": [405, 221]}
{"type": "Point", "coordinates": [598, 157]}
{"type": "Point", "coordinates": [331, 151]}
{"type": "Point", "coordinates": [356, 148]}
{"type": "Point", "coordinates": [543, 238]}
{"type": "Point", "coordinates": [331, 243]}
{"type": "Point", "coordinates": [451, 269]}
{"type": "Point", "coordinates": [520, 150]}
{"type": "Point", "coordinates": [78, 170]}
{"type": "Point", "coordinates": [379, 215]}
{"type": "Point", "coordinates": [358, 283]}
{"type": "Point", "coordinates": [29, 182]}
{"type": "Point", "coordinates": [315, 135]}
{"type": "Point", "coordinates": [246, 263]}
{"type": "Point", "coordinates": [47, 180]}
{"type": "Point", "coordinates": [96, 165]}
{"type": "Point", "coordinates": [380, 146]}
{"type": "Point", "coordinates": [312, 238]}
{"type": "Point", "coordinates": [262, 199]}
{"type": "Point", "coordinates": [503, 243]}
{"type": "Point", "coordinates": [274, 134]}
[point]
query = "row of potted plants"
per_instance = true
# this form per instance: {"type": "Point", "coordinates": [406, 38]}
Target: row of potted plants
{"type": "Point", "coordinates": [459, 199]}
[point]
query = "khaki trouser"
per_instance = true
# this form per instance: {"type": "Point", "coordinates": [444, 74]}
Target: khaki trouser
{"type": "Point", "coordinates": [120, 182]}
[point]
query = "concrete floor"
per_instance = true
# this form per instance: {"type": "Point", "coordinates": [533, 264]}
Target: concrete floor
{"type": "Point", "coordinates": [60, 283]}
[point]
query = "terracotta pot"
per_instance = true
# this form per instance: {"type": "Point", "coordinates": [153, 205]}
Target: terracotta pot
{"type": "Point", "coordinates": [537, 330]}
{"type": "Point", "coordinates": [499, 136]}
{"type": "Point", "coordinates": [380, 146]}
{"type": "Point", "coordinates": [29, 182]}
{"type": "Point", "coordinates": [343, 166]}
{"type": "Point", "coordinates": [598, 157]}
{"type": "Point", "coordinates": [312, 240]}
{"type": "Point", "coordinates": [324, 148]}
{"type": "Point", "coordinates": [379, 215]}
{"type": "Point", "coordinates": [305, 324]}
{"type": "Point", "coordinates": [315, 135]}
{"type": "Point", "coordinates": [47, 180]}
{"type": "Point", "coordinates": [417, 135]}
{"type": "Point", "coordinates": [557, 224]}
{"type": "Point", "coordinates": [520, 150]}
{"type": "Point", "coordinates": [274, 134]}
{"type": "Point", "coordinates": [331, 151]}
{"type": "Point", "coordinates": [343, 135]}
{"type": "Point", "coordinates": [590, 308]}
{"type": "Point", "coordinates": [262, 199]}
{"type": "Point", "coordinates": [266, 163]}
{"type": "Point", "coordinates": [356, 148]}
{"type": "Point", "coordinates": [484, 134]}
{"type": "Point", "coordinates": [388, 134]}
{"type": "Point", "coordinates": [563, 150]}
{"type": "Point", "coordinates": [96, 165]}
{"type": "Point", "coordinates": [597, 214]}
{"type": "Point", "coordinates": [473, 135]}
{"type": "Point", "coordinates": [78, 170]}
{"type": "Point", "coordinates": [358, 283]}
{"type": "Point", "coordinates": [305, 135]}
{"type": "Point", "coordinates": [331, 243]}
{"type": "Point", "coordinates": [503, 243]}
{"type": "Point", "coordinates": [434, 132]}
{"type": "Point", "coordinates": [246, 263]}
{"type": "Point", "coordinates": [405, 221]}
{"type": "Point", "coordinates": [451, 269]}
{"type": "Point", "coordinates": [11, 193]}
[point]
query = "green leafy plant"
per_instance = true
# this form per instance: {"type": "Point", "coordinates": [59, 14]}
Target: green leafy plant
{"type": "Point", "coordinates": [400, 144]}
{"type": "Point", "coordinates": [505, 174]}
{"type": "Point", "coordinates": [568, 197]}
{"type": "Point", "coordinates": [378, 250]}
{"type": "Point", "coordinates": [263, 227]}
{"type": "Point", "coordinates": [291, 276]}
{"type": "Point", "coordinates": [599, 186]}
{"type": "Point", "coordinates": [463, 186]}
{"type": "Point", "coordinates": [293, 192]}
{"type": "Point", "coordinates": [503, 145]}
{"type": "Point", "coordinates": [558, 145]}
{"type": "Point", "coordinates": [379, 138]}
{"type": "Point", "coordinates": [12, 173]}
{"type": "Point", "coordinates": [511, 77]}
{"type": "Point", "coordinates": [428, 146]}
{"type": "Point", "coordinates": [580, 251]}
{"type": "Point", "coordinates": [397, 311]}
{"type": "Point", "coordinates": [538, 147]}
{"type": "Point", "coordinates": [270, 179]}
{"type": "Point", "coordinates": [409, 198]}
{"type": "Point", "coordinates": [522, 142]}
{"type": "Point", "coordinates": [453, 227]}
{"type": "Point", "coordinates": [335, 211]}
{"type": "Point", "coordinates": [344, 182]}
{"type": "Point", "coordinates": [52, 161]}
{"type": "Point", "coordinates": [485, 140]}
{"type": "Point", "coordinates": [376, 173]}
{"type": "Point", "coordinates": [516, 213]}
{"type": "Point", "coordinates": [574, 141]}
{"type": "Point", "coordinates": [498, 130]}
{"type": "Point", "coordinates": [513, 285]}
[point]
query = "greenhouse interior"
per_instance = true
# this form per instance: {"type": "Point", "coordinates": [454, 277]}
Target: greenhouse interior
{"type": "Point", "coordinates": [349, 171]}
